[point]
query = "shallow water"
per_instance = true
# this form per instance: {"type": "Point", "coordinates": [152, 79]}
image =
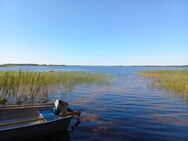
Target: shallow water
{"type": "Point", "coordinates": [129, 108]}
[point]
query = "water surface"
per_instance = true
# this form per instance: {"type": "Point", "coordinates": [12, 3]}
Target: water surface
{"type": "Point", "coordinates": [129, 108]}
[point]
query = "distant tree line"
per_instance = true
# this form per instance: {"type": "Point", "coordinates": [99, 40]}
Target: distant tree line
{"type": "Point", "coordinates": [8, 65]}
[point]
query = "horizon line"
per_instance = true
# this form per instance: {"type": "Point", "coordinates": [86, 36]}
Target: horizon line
{"type": "Point", "coordinates": [44, 64]}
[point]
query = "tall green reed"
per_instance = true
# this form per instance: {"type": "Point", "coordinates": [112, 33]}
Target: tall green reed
{"type": "Point", "coordinates": [19, 86]}
{"type": "Point", "coordinates": [175, 80]}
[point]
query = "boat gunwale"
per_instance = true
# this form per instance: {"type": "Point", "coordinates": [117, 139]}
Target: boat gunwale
{"type": "Point", "coordinates": [32, 120]}
{"type": "Point", "coordinates": [46, 122]}
{"type": "Point", "coordinates": [14, 107]}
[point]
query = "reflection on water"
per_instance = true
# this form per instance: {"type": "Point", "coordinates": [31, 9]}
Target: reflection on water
{"type": "Point", "coordinates": [57, 136]}
{"type": "Point", "coordinates": [128, 109]}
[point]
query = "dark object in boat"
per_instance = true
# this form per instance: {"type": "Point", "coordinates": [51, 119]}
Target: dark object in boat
{"type": "Point", "coordinates": [22, 123]}
{"type": "Point", "coordinates": [3, 101]}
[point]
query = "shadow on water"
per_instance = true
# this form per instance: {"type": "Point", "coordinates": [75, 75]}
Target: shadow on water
{"type": "Point", "coordinates": [56, 136]}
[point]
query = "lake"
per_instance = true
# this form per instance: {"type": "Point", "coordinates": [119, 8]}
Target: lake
{"type": "Point", "coordinates": [129, 108]}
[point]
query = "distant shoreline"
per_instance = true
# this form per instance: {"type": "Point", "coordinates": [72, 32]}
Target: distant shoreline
{"type": "Point", "coordinates": [30, 64]}
{"type": "Point", "coordinates": [9, 65]}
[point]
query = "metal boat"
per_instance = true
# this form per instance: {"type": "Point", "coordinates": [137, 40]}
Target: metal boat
{"type": "Point", "coordinates": [24, 122]}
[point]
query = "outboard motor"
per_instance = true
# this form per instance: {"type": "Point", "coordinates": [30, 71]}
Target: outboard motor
{"type": "Point", "coordinates": [61, 107]}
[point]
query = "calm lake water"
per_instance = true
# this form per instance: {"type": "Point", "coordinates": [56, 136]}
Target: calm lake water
{"type": "Point", "coordinates": [129, 108]}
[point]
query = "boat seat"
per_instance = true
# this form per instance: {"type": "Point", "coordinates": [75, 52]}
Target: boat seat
{"type": "Point", "coordinates": [47, 113]}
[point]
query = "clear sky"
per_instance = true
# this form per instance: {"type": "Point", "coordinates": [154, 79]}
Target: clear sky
{"type": "Point", "coordinates": [94, 32]}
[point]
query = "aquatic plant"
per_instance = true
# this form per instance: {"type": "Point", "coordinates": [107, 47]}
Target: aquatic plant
{"type": "Point", "coordinates": [176, 80]}
{"type": "Point", "coordinates": [2, 101]}
{"type": "Point", "coordinates": [19, 86]}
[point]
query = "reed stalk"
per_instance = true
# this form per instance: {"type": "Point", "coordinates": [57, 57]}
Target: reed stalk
{"type": "Point", "coordinates": [175, 80]}
{"type": "Point", "coordinates": [23, 86]}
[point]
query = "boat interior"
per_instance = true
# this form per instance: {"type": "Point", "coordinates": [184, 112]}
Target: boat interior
{"type": "Point", "coordinates": [17, 115]}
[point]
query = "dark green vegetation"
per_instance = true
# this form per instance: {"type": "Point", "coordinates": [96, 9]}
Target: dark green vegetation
{"type": "Point", "coordinates": [19, 86]}
{"type": "Point", "coordinates": [9, 65]}
{"type": "Point", "coordinates": [176, 80]}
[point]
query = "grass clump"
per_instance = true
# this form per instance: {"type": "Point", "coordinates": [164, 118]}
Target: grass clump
{"type": "Point", "coordinates": [19, 86]}
{"type": "Point", "coordinates": [176, 80]}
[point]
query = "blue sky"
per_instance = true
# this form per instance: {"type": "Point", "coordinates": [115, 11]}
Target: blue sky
{"type": "Point", "coordinates": [94, 32]}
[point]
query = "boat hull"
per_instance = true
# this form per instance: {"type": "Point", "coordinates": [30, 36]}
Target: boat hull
{"type": "Point", "coordinates": [35, 130]}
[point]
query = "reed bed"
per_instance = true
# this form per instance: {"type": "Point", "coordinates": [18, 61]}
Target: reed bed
{"type": "Point", "coordinates": [17, 87]}
{"type": "Point", "coordinates": [176, 80]}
